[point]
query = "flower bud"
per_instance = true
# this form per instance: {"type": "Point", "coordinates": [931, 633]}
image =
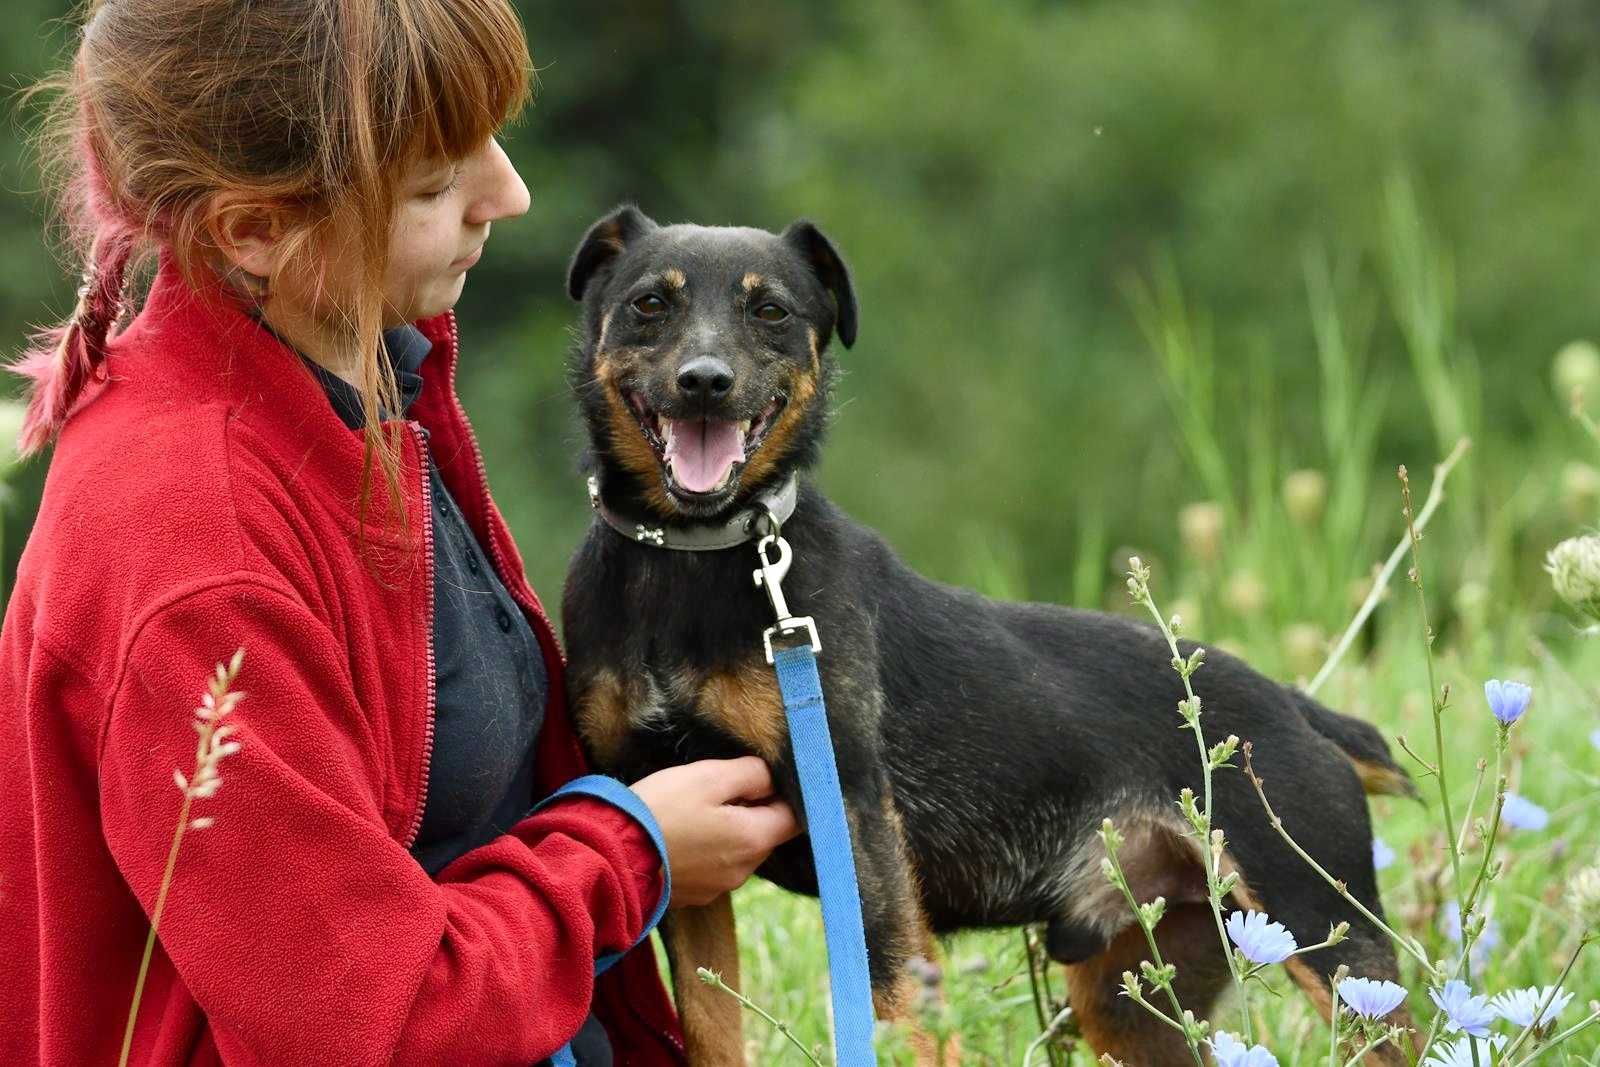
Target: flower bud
{"type": "Point", "coordinates": [1304, 646]}
{"type": "Point", "coordinates": [1580, 492]}
{"type": "Point", "coordinates": [1305, 493]}
{"type": "Point", "coordinates": [1583, 897]}
{"type": "Point", "coordinates": [1574, 568]}
{"type": "Point", "coordinates": [1472, 602]}
{"type": "Point", "coordinates": [1577, 366]}
{"type": "Point", "coordinates": [1187, 612]}
{"type": "Point", "coordinates": [1245, 595]}
{"type": "Point", "coordinates": [1200, 526]}
{"type": "Point", "coordinates": [11, 414]}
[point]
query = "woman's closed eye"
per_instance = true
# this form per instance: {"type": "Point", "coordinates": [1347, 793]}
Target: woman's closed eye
{"type": "Point", "coordinates": [450, 187]}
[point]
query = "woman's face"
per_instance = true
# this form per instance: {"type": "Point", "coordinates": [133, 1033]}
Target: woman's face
{"type": "Point", "coordinates": [442, 220]}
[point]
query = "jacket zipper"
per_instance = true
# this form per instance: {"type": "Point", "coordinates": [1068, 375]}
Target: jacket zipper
{"type": "Point", "coordinates": [420, 434]}
{"type": "Point", "coordinates": [532, 606]}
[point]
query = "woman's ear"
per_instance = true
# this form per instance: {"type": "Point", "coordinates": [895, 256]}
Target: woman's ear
{"type": "Point", "coordinates": [246, 232]}
{"type": "Point", "coordinates": [604, 242]}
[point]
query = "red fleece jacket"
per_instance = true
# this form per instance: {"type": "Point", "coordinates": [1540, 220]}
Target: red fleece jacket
{"type": "Point", "coordinates": [201, 499]}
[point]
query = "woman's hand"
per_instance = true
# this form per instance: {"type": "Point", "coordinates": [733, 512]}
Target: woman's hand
{"type": "Point", "coordinates": [720, 819]}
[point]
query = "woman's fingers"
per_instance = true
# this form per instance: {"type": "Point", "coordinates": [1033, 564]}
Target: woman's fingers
{"type": "Point", "coordinates": [747, 778]}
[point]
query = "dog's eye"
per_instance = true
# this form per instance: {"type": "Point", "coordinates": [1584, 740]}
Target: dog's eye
{"type": "Point", "coordinates": [649, 305]}
{"type": "Point", "coordinates": [771, 313]}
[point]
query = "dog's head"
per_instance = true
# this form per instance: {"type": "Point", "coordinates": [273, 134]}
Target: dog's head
{"type": "Point", "coordinates": [703, 372]}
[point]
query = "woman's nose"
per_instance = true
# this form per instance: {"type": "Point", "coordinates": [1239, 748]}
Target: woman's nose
{"type": "Point", "coordinates": [502, 193]}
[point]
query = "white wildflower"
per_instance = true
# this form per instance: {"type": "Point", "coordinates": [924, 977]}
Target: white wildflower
{"type": "Point", "coordinates": [1574, 567]}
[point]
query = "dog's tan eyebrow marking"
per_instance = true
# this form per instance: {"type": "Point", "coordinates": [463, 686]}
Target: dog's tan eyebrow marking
{"type": "Point", "coordinates": [673, 278]}
{"type": "Point", "coordinates": [750, 281]}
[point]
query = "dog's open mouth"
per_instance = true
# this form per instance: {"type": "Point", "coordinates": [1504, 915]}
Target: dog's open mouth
{"type": "Point", "coordinates": [701, 455]}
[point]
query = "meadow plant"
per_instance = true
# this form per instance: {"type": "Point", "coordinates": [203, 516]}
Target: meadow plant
{"type": "Point", "coordinates": [1461, 1028]}
{"type": "Point", "coordinates": [202, 783]}
{"type": "Point", "coordinates": [712, 978]}
{"type": "Point", "coordinates": [1574, 569]}
{"type": "Point", "coordinates": [1212, 840]}
{"type": "Point", "coordinates": [11, 415]}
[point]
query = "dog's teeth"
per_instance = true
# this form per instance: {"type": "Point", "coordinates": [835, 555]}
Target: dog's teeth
{"type": "Point", "coordinates": [744, 426]}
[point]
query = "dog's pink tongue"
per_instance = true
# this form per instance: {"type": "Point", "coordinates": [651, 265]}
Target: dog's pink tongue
{"type": "Point", "coordinates": [701, 451]}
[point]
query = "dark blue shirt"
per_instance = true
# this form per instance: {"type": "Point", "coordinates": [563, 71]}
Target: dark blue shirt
{"type": "Point", "coordinates": [490, 680]}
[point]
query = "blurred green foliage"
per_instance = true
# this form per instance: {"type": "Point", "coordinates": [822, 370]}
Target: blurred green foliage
{"type": "Point", "coordinates": [1035, 197]}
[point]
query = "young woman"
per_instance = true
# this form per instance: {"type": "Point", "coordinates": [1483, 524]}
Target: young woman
{"type": "Point", "coordinates": [400, 867]}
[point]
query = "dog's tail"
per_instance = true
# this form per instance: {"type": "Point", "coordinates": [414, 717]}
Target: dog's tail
{"type": "Point", "coordinates": [1363, 745]}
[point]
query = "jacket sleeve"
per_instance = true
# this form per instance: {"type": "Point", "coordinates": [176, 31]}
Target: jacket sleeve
{"type": "Point", "coordinates": [303, 929]}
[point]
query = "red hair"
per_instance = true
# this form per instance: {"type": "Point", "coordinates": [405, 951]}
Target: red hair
{"type": "Point", "coordinates": [309, 108]}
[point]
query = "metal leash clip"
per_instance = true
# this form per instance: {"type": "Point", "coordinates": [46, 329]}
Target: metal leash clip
{"type": "Point", "coordinates": [769, 576]}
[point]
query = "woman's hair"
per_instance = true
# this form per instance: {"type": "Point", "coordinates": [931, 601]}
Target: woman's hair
{"type": "Point", "coordinates": [309, 107]}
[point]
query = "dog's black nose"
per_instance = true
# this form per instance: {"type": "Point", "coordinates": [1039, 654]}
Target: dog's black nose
{"type": "Point", "coordinates": [705, 378]}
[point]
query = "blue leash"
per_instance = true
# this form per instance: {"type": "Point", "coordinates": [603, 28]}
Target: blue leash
{"type": "Point", "coordinates": [849, 982]}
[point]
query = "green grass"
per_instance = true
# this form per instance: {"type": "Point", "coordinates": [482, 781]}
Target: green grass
{"type": "Point", "coordinates": [988, 1000]}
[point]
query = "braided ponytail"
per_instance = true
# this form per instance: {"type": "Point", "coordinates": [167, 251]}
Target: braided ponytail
{"type": "Point", "coordinates": [64, 359]}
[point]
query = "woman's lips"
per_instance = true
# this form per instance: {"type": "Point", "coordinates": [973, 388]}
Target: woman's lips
{"type": "Point", "coordinates": [468, 260]}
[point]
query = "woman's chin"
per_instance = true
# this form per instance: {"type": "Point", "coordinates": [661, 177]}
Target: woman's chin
{"type": "Point", "coordinates": [442, 299]}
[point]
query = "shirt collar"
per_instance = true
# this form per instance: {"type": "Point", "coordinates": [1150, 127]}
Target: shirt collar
{"type": "Point", "coordinates": [407, 347]}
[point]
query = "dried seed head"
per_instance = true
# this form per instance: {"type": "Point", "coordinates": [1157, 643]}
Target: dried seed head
{"type": "Point", "coordinates": [1580, 492]}
{"type": "Point", "coordinates": [1305, 494]}
{"type": "Point", "coordinates": [11, 419]}
{"type": "Point", "coordinates": [1576, 368]}
{"type": "Point", "coordinates": [1245, 594]}
{"type": "Point", "coordinates": [1583, 897]}
{"type": "Point", "coordinates": [1574, 568]}
{"type": "Point", "coordinates": [1304, 645]}
{"type": "Point", "coordinates": [1200, 526]}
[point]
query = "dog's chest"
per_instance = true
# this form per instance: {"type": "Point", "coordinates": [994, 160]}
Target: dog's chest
{"type": "Point", "coordinates": [637, 720]}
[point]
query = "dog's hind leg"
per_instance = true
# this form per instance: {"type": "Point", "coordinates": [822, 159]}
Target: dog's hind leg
{"type": "Point", "coordinates": [705, 937]}
{"type": "Point", "coordinates": [1111, 1023]}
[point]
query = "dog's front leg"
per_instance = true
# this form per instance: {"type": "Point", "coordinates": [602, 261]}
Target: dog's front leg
{"type": "Point", "coordinates": [705, 937]}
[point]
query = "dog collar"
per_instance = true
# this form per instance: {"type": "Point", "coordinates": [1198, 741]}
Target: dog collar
{"type": "Point", "coordinates": [774, 503]}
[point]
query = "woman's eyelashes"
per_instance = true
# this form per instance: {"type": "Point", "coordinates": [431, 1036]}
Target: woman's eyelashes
{"type": "Point", "coordinates": [450, 187]}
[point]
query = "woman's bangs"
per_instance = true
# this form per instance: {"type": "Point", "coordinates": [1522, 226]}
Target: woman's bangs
{"type": "Point", "coordinates": [466, 74]}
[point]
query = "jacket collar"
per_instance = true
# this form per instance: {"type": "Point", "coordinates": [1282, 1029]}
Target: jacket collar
{"type": "Point", "coordinates": [195, 342]}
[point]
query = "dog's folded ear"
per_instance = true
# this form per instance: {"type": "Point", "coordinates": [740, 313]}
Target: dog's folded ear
{"type": "Point", "coordinates": [604, 242]}
{"type": "Point", "coordinates": [829, 268]}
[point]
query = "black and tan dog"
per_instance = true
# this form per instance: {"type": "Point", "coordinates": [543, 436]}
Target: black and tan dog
{"type": "Point", "coordinates": [979, 743]}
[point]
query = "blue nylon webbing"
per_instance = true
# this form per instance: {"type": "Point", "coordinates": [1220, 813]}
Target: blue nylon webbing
{"type": "Point", "coordinates": [850, 985]}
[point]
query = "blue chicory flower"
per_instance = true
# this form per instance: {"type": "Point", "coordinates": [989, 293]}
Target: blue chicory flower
{"type": "Point", "coordinates": [1508, 700]}
{"type": "Point", "coordinates": [1382, 854]}
{"type": "Point", "coordinates": [1519, 1005]}
{"type": "Point", "coordinates": [1459, 1052]}
{"type": "Point", "coordinates": [1229, 1051]}
{"type": "Point", "coordinates": [1462, 1010]}
{"type": "Point", "coordinates": [1260, 940]}
{"type": "Point", "coordinates": [1520, 813]}
{"type": "Point", "coordinates": [1370, 999]}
